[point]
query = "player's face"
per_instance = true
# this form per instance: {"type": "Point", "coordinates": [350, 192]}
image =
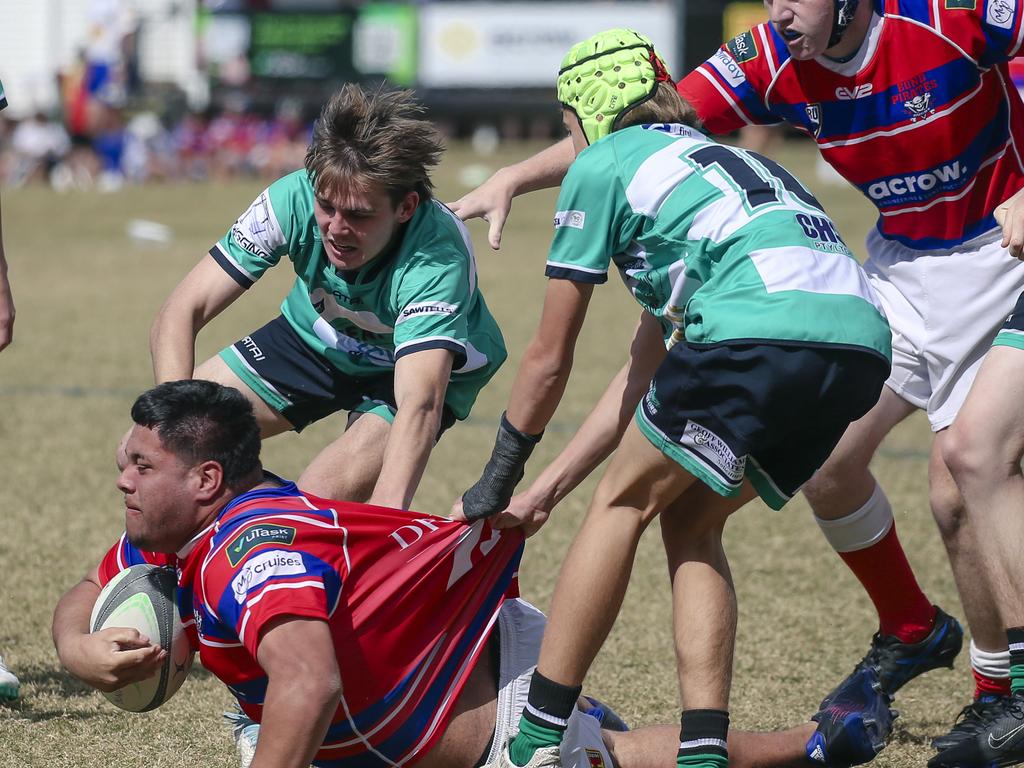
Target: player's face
{"type": "Point", "coordinates": [805, 25]}
{"type": "Point", "coordinates": [160, 511]}
{"type": "Point", "coordinates": [572, 125]}
{"type": "Point", "coordinates": [357, 223]}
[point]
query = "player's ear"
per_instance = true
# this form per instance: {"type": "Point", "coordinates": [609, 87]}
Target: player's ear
{"type": "Point", "coordinates": [209, 479]}
{"type": "Point", "coordinates": [407, 207]}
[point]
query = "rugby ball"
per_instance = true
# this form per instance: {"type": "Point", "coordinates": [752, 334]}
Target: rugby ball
{"type": "Point", "coordinates": [142, 597]}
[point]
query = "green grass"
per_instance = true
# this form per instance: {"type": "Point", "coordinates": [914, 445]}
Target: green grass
{"type": "Point", "coordinates": [86, 295]}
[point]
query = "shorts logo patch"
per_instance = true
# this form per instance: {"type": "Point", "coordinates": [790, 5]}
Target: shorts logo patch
{"type": "Point", "coordinates": [595, 758]}
{"type": "Point", "coordinates": [574, 219]}
{"type": "Point", "coordinates": [967, 5]}
{"type": "Point", "coordinates": [714, 450]}
{"type": "Point", "coordinates": [999, 13]}
{"type": "Point", "coordinates": [743, 47]}
{"type": "Point", "coordinates": [276, 562]}
{"type": "Point", "coordinates": [254, 535]}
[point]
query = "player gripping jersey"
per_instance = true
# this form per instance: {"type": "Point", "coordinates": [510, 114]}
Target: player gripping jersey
{"type": "Point", "coordinates": [277, 552]}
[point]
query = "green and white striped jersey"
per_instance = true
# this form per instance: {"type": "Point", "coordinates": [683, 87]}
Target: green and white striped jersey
{"type": "Point", "coordinates": [421, 295]}
{"type": "Point", "coordinates": [3, 96]}
{"type": "Point", "coordinates": [720, 244]}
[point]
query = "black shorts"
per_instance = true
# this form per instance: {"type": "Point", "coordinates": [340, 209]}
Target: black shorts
{"type": "Point", "coordinates": [770, 412]}
{"type": "Point", "coordinates": [302, 385]}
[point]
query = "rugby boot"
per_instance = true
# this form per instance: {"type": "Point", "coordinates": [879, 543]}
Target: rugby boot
{"type": "Point", "coordinates": [897, 663]}
{"type": "Point", "coordinates": [854, 726]}
{"type": "Point", "coordinates": [9, 684]}
{"type": "Point", "coordinates": [1000, 743]}
{"type": "Point", "coordinates": [973, 719]}
{"type": "Point", "coordinates": [246, 732]}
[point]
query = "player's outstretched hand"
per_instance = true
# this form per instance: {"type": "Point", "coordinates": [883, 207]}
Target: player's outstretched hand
{"type": "Point", "coordinates": [491, 201]}
{"type": "Point", "coordinates": [114, 657]}
{"type": "Point", "coordinates": [520, 512]}
{"type": "Point", "coordinates": [1010, 216]}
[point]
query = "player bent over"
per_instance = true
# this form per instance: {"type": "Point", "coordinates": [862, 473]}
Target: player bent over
{"type": "Point", "coordinates": [414, 649]}
{"type": "Point", "coordinates": [385, 319]}
{"type": "Point", "coordinates": [759, 342]}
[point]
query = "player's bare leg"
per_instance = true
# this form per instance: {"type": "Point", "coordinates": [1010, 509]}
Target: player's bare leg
{"type": "Point", "coordinates": [983, 449]}
{"type": "Point", "coordinates": [637, 485]}
{"type": "Point", "coordinates": [271, 422]}
{"type": "Point", "coordinates": [703, 597]}
{"type": "Point", "coordinates": [857, 520]}
{"type": "Point", "coordinates": [349, 467]}
{"type": "Point", "coordinates": [656, 747]}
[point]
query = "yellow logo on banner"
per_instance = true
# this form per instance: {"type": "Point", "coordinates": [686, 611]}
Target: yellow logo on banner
{"type": "Point", "coordinates": [460, 41]}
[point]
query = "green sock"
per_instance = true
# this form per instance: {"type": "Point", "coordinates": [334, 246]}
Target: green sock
{"type": "Point", "coordinates": [530, 738]}
{"type": "Point", "coordinates": [1015, 640]}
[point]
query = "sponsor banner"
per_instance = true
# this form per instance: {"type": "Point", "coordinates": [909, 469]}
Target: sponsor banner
{"type": "Point", "coordinates": [522, 44]}
{"type": "Point", "coordinates": [254, 535]}
{"type": "Point", "coordinates": [264, 566]}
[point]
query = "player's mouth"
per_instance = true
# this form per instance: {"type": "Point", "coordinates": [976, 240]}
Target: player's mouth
{"type": "Point", "coordinates": [791, 36]}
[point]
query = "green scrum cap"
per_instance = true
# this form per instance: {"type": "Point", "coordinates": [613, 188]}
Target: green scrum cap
{"type": "Point", "coordinates": [607, 75]}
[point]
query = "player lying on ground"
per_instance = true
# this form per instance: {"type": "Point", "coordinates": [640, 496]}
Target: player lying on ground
{"type": "Point", "coordinates": [760, 340]}
{"type": "Point", "coordinates": [384, 320]}
{"type": "Point", "coordinates": [413, 646]}
{"type": "Point", "coordinates": [933, 141]}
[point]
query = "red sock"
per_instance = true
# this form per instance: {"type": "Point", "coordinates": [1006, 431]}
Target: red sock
{"type": "Point", "coordinates": [903, 610]}
{"type": "Point", "coordinates": [990, 686]}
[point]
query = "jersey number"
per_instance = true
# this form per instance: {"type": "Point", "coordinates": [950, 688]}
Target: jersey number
{"type": "Point", "coordinates": [755, 189]}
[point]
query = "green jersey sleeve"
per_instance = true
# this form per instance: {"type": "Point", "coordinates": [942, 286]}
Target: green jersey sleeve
{"type": "Point", "coordinates": [433, 302]}
{"type": "Point", "coordinates": [273, 226]}
{"type": "Point", "coordinates": [3, 97]}
{"type": "Point", "coordinates": [593, 221]}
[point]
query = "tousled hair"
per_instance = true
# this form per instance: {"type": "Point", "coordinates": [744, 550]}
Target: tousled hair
{"type": "Point", "coordinates": [664, 106]}
{"type": "Point", "coordinates": [373, 138]}
{"type": "Point", "coordinates": [200, 421]}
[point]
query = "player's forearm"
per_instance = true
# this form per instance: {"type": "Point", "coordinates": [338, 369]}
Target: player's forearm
{"type": "Point", "coordinates": [538, 388]}
{"type": "Point", "coordinates": [545, 169]}
{"type": "Point", "coordinates": [172, 344]}
{"type": "Point", "coordinates": [410, 440]}
{"type": "Point", "coordinates": [296, 715]}
{"type": "Point", "coordinates": [71, 624]}
{"type": "Point", "coordinates": [593, 442]}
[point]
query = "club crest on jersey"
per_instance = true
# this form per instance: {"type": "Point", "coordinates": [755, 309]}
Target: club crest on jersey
{"type": "Point", "coordinates": [743, 47]}
{"type": "Point", "coordinates": [595, 759]}
{"type": "Point", "coordinates": [574, 219]}
{"type": "Point", "coordinates": [813, 112]}
{"type": "Point", "coordinates": [999, 13]}
{"type": "Point", "coordinates": [254, 535]}
{"type": "Point", "coordinates": [920, 106]}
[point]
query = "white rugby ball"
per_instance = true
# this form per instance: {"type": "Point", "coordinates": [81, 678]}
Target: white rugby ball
{"type": "Point", "coordinates": [142, 597]}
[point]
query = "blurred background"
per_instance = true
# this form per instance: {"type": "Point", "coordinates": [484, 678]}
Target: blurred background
{"type": "Point", "coordinates": [107, 92]}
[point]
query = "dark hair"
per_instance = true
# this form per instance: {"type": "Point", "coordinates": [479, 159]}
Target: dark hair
{"type": "Point", "coordinates": [200, 421]}
{"type": "Point", "coordinates": [373, 138]}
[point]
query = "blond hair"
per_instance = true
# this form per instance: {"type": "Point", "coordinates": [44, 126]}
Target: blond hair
{"type": "Point", "coordinates": [665, 105]}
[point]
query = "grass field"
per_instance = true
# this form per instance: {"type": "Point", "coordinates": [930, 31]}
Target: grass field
{"type": "Point", "coordinates": [86, 295]}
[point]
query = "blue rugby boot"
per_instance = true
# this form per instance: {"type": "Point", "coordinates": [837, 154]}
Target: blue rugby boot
{"type": "Point", "coordinates": [853, 727]}
{"type": "Point", "coordinates": [897, 663]}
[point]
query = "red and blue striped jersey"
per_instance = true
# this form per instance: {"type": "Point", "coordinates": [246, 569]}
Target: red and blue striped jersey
{"type": "Point", "coordinates": [922, 120]}
{"type": "Point", "coordinates": [410, 600]}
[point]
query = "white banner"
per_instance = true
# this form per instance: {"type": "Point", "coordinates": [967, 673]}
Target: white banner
{"type": "Point", "coordinates": [522, 44]}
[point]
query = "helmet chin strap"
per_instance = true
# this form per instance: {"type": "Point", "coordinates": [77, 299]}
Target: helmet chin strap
{"type": "Point", "coordinates": [841, 18]}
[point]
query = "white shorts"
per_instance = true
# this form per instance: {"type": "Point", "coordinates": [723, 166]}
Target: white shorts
{"type": "Point", "coordinates": [522, 627]}
{"type": "Point", "coordinates": [944, 308]}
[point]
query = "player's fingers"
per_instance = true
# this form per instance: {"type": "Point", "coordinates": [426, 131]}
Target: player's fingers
{"type": "Point", "coordinates": [497, 222]}
{"type": "Point", "coordinates": [125, 637]}
{"type": "Point", "coordinates": [151, 655]}
{"type": "Point", "coordinates": [458, 207]}
{"type": "Point", "coordinates": [457, 513]}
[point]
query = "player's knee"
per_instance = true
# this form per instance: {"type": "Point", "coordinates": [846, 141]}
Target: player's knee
{"type": "Point", "coordinates": [974, 459]}
{"type": "Point", "coordinates": [836, 478]}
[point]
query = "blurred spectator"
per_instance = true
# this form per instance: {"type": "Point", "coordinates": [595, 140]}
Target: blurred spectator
{"type": "Point", "coordinates": [37, 146]}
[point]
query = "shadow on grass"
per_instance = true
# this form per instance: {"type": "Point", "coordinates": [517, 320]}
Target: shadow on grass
{"type": "Point", "coordinates": [42, 685]}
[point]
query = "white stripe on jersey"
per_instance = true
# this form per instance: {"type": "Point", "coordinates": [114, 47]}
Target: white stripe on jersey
{"type": "Point", "coordinates": [796, 268]}
{"type": "Point", "coordinates": [658, 176]}
{"type": "Point", "coordinates": [234, 262]}
{"type": "Point", "coordinates": [726, 96]}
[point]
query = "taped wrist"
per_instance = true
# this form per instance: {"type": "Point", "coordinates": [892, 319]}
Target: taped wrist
{"type": "Point", "coordinates": [503, 471]}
